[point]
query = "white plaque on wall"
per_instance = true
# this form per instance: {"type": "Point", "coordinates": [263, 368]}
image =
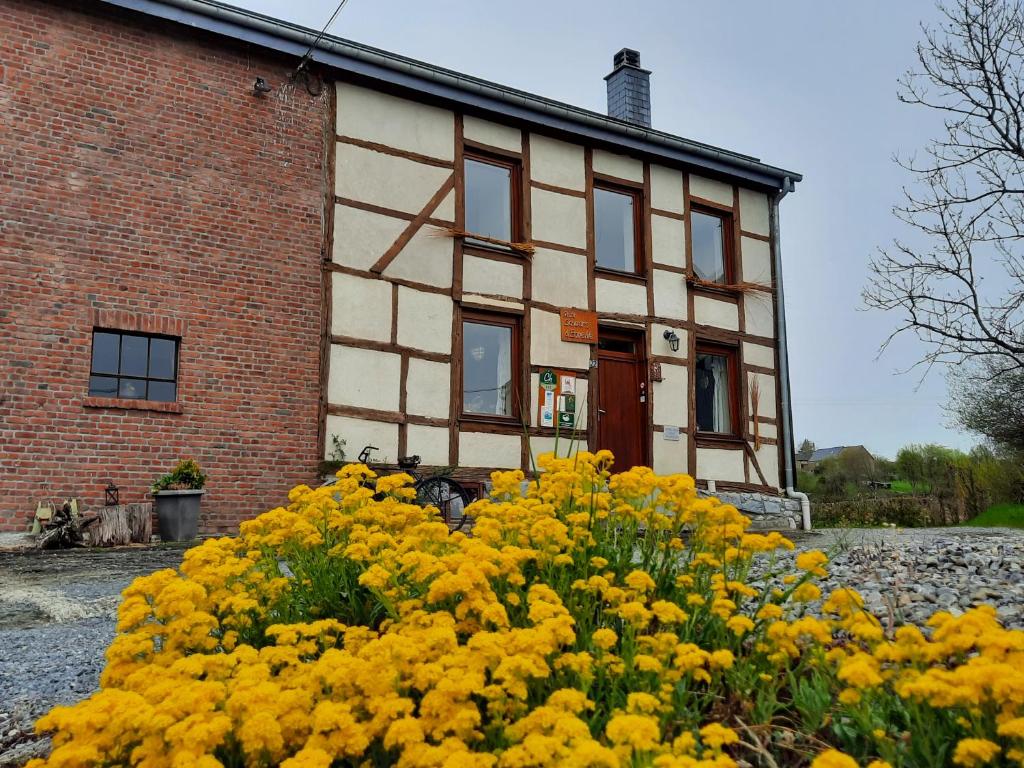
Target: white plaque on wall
{"type": "Point", "coordinates": [671, 433]}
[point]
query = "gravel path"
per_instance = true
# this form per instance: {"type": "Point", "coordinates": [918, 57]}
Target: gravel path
{"type": "Point", "coordinates": [57, 612]}
{"type": "Point", "coordinates": [906, 575]}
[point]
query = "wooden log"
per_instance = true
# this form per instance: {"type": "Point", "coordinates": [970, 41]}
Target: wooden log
{"type": "Point", "coordinates": [122, 524]}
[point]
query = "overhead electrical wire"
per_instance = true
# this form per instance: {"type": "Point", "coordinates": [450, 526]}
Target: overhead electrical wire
{"type": "Point", "coordinates": [319, 37]}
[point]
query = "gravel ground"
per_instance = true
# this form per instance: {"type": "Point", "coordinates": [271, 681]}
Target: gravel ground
{"type": "Point", "coordinates": [57, 613]}
{"type": "Point", "coordinates": [57, 609]}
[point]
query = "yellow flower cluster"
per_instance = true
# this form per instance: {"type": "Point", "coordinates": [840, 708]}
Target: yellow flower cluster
{"type": "Point", "coordinates": [594, 619]}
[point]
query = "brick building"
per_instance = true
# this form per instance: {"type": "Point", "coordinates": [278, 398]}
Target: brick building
{"type": "Point", "coordinates": [377, 250]}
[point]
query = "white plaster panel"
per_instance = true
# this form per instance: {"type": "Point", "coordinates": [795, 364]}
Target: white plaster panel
{"type": "Point", "coordinates": [559, 218]}
{"type": "Point", "coordinates": [427, 388]}
{"type": "Point", "coordinates": [670, 455]}
{"type": "Point", "coordinates": [660, 345]}
{"type": "Point", "coordinates": [757, 261]}
{"type": "Point", "coordinates": [620, 166]}
{"type": "Point", "coordinates": [494, 134]}
{"type": "Point", "coordinates": [372, 115]}
{"type": "Point", "coordinates": [361, 237]}
{"type": "Point", "coordinates": [360, 432]}
{"type": "Point", "coordinates": [430, 443]}
{"type": "Point", "coordinates": [360, 307]}
{"type": "Point", "coordinates": [565, 448]}
{"type": "Point", "coordinates": [768, 461]}
{"type": "Point", "coordinates": [474, 298]}
{"type": "Point", "coordinates": [365, 378]}
{"type": "Point", "coordinates": [758, 354]}
{"type": "Point", "coordinates": [426, 258]}
{"type": "Point", "coordinates": [445, 210]}
{"type": "Point", "coordinates": [424, 320]}
{"type": "Point", "coordinates": [616, 296]}
{"type": "Point", "coordinates": [766, 403]}
{"type": "Point", "coordinates": [560, 278]}
{"type": "Point", "coordinates": [709, 189]}
{"type": "Point", "coordinates": [720, 314]}
{"type": "Point", "coordinates": [768, 431]}
{"type": "Point", "coordinates": [481, 449]}
{"type": "Point", "coordinates": [754, 211]}
{"type": "Point", "coordinates": [668, 241]}
{"type": "Point", "coordinates": [669, 294]}
{"type": "Point", "coordinates": [385, 180]}
{"type": "Point", "coordinates": [758, 314]}
{"type": "Point", "coordinates": [547, 347]}
{"type": "Point", "coordinates": [666, 189]}
{"type": "Point", "coordinates": [671, 396]}
{"type": "Point", "coordinates": [720, 465]}
{"type": "Point", "coordinates": [490, 276]}
{"type": "Point", "coordinates": [557, 162]}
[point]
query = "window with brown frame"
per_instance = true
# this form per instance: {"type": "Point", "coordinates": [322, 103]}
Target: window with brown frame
{"type": "Point", "coordinates": [617, 227]}
{"type": "Point", "coordinates": [712, 241]}
{"type": "Point", "coordinates": [492, 197]}
{"type": "Point", "coordinates": [716, 384]}
{"type": "Point", "coordinates": [491, 366]}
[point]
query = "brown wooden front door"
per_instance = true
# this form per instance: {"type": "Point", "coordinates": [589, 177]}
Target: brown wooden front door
{"type": "Point", "coordinates": [622, 397]}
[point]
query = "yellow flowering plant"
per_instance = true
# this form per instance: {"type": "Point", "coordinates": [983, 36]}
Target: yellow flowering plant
{"type": "Point", "coordinates": [590, 619]}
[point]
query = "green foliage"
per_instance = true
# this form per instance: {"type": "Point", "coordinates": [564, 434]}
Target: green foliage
{"type": "Point", "coordinates": [186, 475]}
{"type": "Point", "coordinates": [1000, 516]}
{"type": "Point", "coordinates": [990, 402]}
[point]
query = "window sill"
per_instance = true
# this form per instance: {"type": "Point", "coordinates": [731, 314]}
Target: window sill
{"type": "Point", "coordinates": [712, 439]}
{"type": "Point", "coordinates": [470, 245]}
{"type": "Point", "coordinates": [615, 274]}
{"type": "Point", "coordinates": [129, 404]}
{"type": "Point", "coordinates": [724, 291]}
{"type": "Point", "coordinates": [485, 421]}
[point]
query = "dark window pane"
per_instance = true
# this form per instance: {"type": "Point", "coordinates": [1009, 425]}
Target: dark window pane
{"type": "Point", "coordinates": [161, 358]}
{"type": "Point", "coordinates": [708, 247]}
{"type": "Point", "coordinates": [133, 388]}
{"type": "Point", "coordinates": [105, 352]}
{"type": "Point", "coordinates": [487, 369]}
{"type": "Point", "coordinates": [489, 199]}
{"type": "Point", "coordinates": [102, 386]}
{"type": "Point", "coordinates": [714, 407]}
{"type": "Point", "coordinates": [134, 353]}
{"type": "Point", "coordinates": [613, 228]}
{"type": "Point", "coordinates": [162, 391]}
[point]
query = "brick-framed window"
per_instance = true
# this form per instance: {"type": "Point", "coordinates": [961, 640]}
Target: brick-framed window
{"type": "Point", "coordinates": [134, 366]}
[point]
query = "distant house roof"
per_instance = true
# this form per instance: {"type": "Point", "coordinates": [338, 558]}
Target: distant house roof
{"type": "Point", "coordinates": [827, 453]}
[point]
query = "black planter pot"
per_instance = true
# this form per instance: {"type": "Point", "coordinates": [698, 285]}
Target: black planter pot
{"type": "Point", "coordinates": [178, 514]}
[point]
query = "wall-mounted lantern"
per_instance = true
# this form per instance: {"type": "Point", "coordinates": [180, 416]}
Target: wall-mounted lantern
{"type": "Point", "coordinates": [673, 340]}
{"type": "Point", "coordinates": [111, 495]}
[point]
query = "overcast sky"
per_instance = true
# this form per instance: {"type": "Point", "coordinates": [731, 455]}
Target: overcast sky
{"type": "Point", "coordinates": [802, 84]}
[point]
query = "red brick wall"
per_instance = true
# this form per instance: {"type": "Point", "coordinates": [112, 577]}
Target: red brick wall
{"type": "Point", "coordinates": [141, 180]}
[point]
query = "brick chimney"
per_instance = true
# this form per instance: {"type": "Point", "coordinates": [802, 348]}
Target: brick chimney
{"type": "Point", "coordinates": [629, 89]}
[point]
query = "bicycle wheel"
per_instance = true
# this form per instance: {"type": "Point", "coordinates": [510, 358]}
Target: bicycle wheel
{"type": "Point", "coordinates": [447, 496]}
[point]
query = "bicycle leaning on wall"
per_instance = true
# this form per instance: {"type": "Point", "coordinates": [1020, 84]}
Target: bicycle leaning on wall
{"type": "Point", "coordinates": [440, 491]}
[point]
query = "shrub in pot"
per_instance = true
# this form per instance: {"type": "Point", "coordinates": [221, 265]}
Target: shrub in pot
{"type": "Point", "coordinates": [177, 496]}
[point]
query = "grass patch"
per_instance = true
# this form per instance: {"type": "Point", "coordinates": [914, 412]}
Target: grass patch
{"type": "Point", "coordinates": [1000, 515]}
{"type": "Point", "coordinates": [905, 486]}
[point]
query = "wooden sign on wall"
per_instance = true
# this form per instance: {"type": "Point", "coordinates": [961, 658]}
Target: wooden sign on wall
{"type": "Point", "coordinates": [578, 325]}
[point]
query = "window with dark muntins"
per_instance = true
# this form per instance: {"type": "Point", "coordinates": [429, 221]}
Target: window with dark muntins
{"type": "Point", "coordinates": [616, 229]}
{"type": "Point", "coordinates": [716, 384]}
{"type": "Point", "coordinates": [135, 366]}
{"type": "Point", "coordinates": [711, 236]}
{"type": "Point", "coordinates": [490, 365]}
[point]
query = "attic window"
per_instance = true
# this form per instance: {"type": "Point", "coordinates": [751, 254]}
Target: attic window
{"type": "Point", "coordinates": [712, 245]}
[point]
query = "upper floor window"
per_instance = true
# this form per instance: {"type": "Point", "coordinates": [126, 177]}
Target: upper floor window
{"type": "Point", "coordinates": [717, 391]}
{"type": "Point", "coordinates": [134, 365]}
{"type": "Point", "coordinates": [490, 365]}
{"type": "Point", "coordinates": [712, 245]}
{"type": "Point", "coordinates": [491, 186]}
{"type": "Point", "coordinates": [616, 229]}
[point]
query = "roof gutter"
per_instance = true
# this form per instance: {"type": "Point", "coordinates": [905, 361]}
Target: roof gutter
{"type": "Point", "coordinates": [462, 89]}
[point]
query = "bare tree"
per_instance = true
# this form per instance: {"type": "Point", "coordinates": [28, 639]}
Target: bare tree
{"type": "Point", "coordinates": [959, 284]}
